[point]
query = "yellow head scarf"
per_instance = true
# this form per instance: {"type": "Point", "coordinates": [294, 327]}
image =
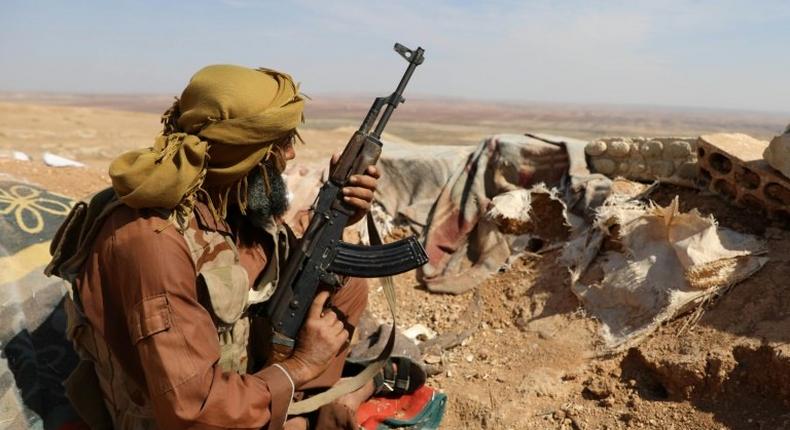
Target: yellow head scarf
{"type": "Point", "coordinates": [224, 124]}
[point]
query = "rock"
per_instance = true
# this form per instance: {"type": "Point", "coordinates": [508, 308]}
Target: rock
{"type": "Point", "coordinates": [662, 168]}
{"type": "Point", "coordinates": [687, 170]}
{"type": "Point", "coordinates": [604, 166]}
{"type": "Point", "coordinates": [619, 148]}
{"type": "Point", "coordinates": [568, 377]}
{"type": "Point", "coordinates": [651, 149]}
{"type": "Point", "coordinates": [419, 332]}
{"type": "Point", "coordinates": [595, 148]}
{"type": "Point", "coordinates": [432, 359]}
{"type": "Point", "coordinates": [597, 389]}
{"type": "Point", "coordinates": [678, 149]}
{"type": "Point", "coordinates": [777, 155]}
{"type": "Point", "coordinates": [53, 160]}
{"type": "Point", "coordinates": [14, 155]}
{"type": "Point", "coordinates": [645, 159]}
{"type": "Point", "coordinates": [433, 369]}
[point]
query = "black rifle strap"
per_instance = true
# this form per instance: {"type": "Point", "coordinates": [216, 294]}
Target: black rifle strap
{"type": "Point", "coordinates": [348, 385]}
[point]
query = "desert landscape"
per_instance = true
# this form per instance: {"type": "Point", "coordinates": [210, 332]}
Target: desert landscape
{"type": "Point", "coordinates": [518, 352]}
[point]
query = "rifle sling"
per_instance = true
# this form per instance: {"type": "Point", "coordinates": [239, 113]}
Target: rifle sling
{"type": "Point", "coordinates": [347, 385]}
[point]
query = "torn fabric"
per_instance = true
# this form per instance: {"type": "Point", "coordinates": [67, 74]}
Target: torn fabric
{"type": "Point", "coordinates": [660, 263]}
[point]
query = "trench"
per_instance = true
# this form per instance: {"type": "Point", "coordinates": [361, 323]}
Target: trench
{"type": "Point", "coordinates": [747, 388]}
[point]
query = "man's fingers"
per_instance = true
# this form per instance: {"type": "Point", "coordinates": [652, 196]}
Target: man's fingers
{"type": "Point", "coordinates": [329, 317]}
{"type": "Point", "coordinates": [373, 171]}
{"type": "Point", "coordinates": [338, 327]}
{"type": "Point", "coordinates": [342, 335]}
{"type": "Point", "coordinates": [358, 192]}
{"type": "Point", "coordinates": [335, 157]}
{"type": "Point", "coordinates": [363, 181]}
{"type": "Point", "coordinates": [357, 202]}
{"type": "Point", "coordinates": [318, 304]}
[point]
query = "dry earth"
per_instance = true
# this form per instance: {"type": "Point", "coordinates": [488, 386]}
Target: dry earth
{"type": "Point", "coordinates": [519, 352]}
{"type": "Point", "coordinates": [532, 359]}
{"type": "Point", "coordinates": [456, 121]}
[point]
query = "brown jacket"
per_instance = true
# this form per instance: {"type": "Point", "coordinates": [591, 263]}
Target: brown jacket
{"type": "Point", "coordinates": [139, 294]}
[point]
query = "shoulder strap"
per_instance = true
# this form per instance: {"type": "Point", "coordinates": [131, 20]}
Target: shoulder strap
{"type": "Point", "coordinates": [72, 242]}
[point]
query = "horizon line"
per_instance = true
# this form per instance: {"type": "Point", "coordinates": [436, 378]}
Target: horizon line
{"type": "Point", "coordinates": [6, 95]}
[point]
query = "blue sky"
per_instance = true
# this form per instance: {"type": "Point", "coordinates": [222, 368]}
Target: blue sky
{"type": "Point", "coordinates": [721, 54]}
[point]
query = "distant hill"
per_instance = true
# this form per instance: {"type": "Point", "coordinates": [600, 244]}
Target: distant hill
{"type": "Point", "coordinates": [455, 121]}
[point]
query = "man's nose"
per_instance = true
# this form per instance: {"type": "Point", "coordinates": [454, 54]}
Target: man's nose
{"type": "Point", "coordinates": [290, 154]}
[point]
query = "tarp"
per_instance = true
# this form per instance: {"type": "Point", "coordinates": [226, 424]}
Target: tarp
{"type": "Point", "coordinates": [443, 192]}
{"type": "Point", "coordinates": [412, 177]}
{"type": "Point", "coordinates": [36, 357]}
{"type": "Point", "coordinates": [657, 263]}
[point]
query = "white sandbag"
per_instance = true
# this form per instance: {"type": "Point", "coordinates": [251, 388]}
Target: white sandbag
{"type": "Point", "coordinates": [661, 263]}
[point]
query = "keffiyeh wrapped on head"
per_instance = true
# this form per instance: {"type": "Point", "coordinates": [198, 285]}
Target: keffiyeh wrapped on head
{"type": "Point", "coordinates": [225, 123]}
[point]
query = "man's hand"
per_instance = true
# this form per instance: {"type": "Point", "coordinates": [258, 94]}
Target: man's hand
{"type": "Point", "coordinates": [359, 193]}
{"type": "Point", "coordinates": [322, 337]}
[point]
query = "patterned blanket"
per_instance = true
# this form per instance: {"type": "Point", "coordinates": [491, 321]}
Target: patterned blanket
{"type": "Point", "coordinates": [36, 357]}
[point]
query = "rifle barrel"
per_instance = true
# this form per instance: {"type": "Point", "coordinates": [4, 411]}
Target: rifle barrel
{"type": "Point", "coordinates": [397, 96]}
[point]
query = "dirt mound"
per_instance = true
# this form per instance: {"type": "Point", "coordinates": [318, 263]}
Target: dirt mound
{"type": "Point", "coordinates": [520, 353]}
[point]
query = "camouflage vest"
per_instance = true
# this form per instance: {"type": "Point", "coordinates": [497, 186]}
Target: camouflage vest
{"type": "Point", "coordinates": [113, 399]}
{"type": "Point", "coordinates": [227, 286]}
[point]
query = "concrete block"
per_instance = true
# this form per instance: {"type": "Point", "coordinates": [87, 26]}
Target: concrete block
{"type": "Point", "coordinates": [732, 165]}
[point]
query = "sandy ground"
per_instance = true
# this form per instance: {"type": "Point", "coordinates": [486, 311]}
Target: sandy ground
{"type": "Point", "coordinates": [519, 352]}
{"type": "Point", "coordinates": [531, 359]}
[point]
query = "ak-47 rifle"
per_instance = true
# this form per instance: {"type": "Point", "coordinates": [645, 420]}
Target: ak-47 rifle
{"type": "Point", "coordinates": [321, 255]}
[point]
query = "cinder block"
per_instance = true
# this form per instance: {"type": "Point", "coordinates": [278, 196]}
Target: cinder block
{"type": "Point", "coordinates": [732, 165]}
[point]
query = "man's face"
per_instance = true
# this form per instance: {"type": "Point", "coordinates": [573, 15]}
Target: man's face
{"type": "Point", "coordinates": [263, 204]}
